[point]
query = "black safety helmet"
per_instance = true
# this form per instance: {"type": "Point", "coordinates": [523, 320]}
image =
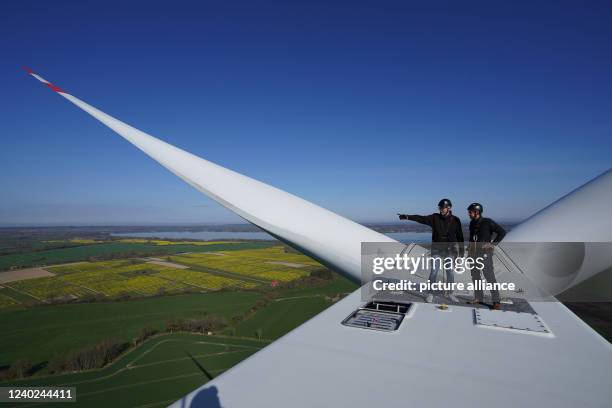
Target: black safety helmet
{"type": "Point", "coordinates": [445, 202]}
{"type": "Point", "coordinates": [476, 207]}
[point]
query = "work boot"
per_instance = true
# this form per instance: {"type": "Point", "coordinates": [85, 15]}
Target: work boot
{"type": "Point", "coordinates": [496, 306]}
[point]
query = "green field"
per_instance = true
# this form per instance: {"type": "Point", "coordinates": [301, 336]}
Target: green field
{"type": "Point", "coordinates": [41, 332]}
{"type": "Point", "coordinates": [291, 308]}
{"type": "Point", "coordinates": [281, 316]}
{"type": "Point", "coordinates": [55, 329]}
{"type": "Point", "coordinates": [167, 366]}
{"type": "Point", "coordinates": [85, 302]}
{"type": "Point", "coordinates": [119, 248]}
{"type": "Point", "coordinates": [157, 373]}
{"type": "Point", "coordinates": [7, 301]}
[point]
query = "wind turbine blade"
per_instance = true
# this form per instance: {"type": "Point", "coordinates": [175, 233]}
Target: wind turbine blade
{"type": "Point", "coordinates": [333, 240]}
{"type": "Point", "coordinates": [569, 240]}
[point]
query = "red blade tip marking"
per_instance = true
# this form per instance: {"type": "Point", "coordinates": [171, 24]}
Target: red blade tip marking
{"type": "Point", "coordinates": [55, 88]}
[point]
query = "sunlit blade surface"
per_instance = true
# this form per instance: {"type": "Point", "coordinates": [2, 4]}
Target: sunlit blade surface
{"type": "Point", "coordinates": [569, 240]}
{"type": "Point", "coordinates": [320, 233]}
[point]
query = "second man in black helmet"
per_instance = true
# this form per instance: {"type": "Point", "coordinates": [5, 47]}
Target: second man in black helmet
{"type": "Point", "coordinates": [446, 232]}
{"type": "Point", "coordinates": [484, 235]}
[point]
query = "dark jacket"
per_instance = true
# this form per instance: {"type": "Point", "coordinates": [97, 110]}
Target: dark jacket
{"type": "Point", "coordinates": [482, 230]}
{"type": "Point", "coordinates": [443, 229]}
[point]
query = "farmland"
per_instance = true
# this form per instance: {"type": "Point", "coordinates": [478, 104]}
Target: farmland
{"type": "Point", "coordinates": [266, 263]}
{"type": "Point", "coordinates": [167, 366]}
{"type": "Point", "coordinates": [223, 269]}
{"type": "Point", "coordinates": [73, 251]}
{"type": "Point", "coordinates": [59, 328]}
{"type": "Point", "coordinates": [93, 300]}
{"type": "Point", "coordinates": [53, 329]}
{"type": "Point", "coordinates": [86, 290]}
{"type": "Point", "coordinates": [281, 316]}
{"type": "Point", "coordinates": [135, 379]}
{"type": "Point", "coordinates": [7, 301]}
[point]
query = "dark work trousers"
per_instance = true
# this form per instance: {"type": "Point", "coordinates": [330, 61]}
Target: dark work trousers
{"type": "Point", "coordinates": [489, 276]}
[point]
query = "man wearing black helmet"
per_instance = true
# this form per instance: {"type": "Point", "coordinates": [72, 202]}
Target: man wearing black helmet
{"type": "Point", "coordinates": [482, 241]}
{"type": "Point", "coordinates": [445, 228]}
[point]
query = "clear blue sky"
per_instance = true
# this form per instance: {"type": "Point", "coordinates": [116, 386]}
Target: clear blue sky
{"type": "Point", "coordinates": [364, 108]}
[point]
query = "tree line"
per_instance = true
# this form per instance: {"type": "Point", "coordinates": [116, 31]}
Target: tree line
{"type": "Point", "coordinates": [106, 351]}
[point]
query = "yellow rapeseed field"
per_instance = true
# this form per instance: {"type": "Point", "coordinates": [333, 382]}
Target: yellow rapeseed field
{"type": "Point", "coordinates": [211, 271]}
{"type": "Point", "coordinates": [204, 280]}
{"type": "Point", "coordinates": [268, 263]}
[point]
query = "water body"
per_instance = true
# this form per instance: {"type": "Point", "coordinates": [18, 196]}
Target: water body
{"type": "Point", "coordinates": [406, 237]}
{"type": "Point", "coordinates": [198, 235]}
{"type": "Point", "coordinates": [410, 237]}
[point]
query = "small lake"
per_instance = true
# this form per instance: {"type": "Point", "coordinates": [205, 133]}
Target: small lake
{"type": "Point", "coordinates": [406, 237]}
{"type": "Point", "coordinates": [198, 235]}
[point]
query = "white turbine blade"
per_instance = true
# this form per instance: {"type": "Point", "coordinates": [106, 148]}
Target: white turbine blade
{"type": "Point", "coordinates": [320, 233]}
{"type": "Point", "coordinates": [570, 239]}
{"type": "Point", "coordinates": [572, 218]}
